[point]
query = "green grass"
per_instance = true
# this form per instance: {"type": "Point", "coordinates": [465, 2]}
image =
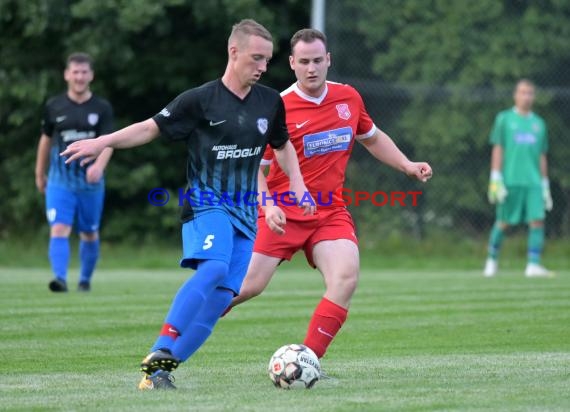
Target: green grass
{"type": "Point", "coordinates": [435, 253]}
{"type": "Point", "coordinates": [414, 341]}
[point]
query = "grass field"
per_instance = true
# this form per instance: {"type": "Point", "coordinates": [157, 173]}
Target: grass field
{"type": "Point", "coordinates": [401, 252]}
{"type": "Point", "coordinates": [414, 341]}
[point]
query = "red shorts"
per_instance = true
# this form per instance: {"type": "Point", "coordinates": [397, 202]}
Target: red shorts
{"type": "Point", "coordinates": [304, 233]}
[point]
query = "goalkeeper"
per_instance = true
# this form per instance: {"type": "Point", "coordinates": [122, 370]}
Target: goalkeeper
{"type": "Point", "coordinates": [519, 183]}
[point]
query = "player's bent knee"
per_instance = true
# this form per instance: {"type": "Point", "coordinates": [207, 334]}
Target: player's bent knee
{"type": "Point", "coordinates": [502, 225]}
{"type": "Point", "coordinates": [60, 230]}
{"type": "Point", "coordinates": [536, 224]}
{"type": "Point", "coordinates": [350, 283]}
{"type": "Point", "coordinates": [217, 269]}
{"type": "Point", "coordinates": [343, 282]}
{"type": "Point", "coordinates": [89, 236]}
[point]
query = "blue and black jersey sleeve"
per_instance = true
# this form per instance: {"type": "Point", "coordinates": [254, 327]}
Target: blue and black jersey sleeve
{"type": "Point", "coordinates": [179, 118]}
{"type": "Point", "coordinates": [279, 134]}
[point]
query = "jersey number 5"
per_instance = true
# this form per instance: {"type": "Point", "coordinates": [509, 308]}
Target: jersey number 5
{"type": "Point", "coordinates": [208, 242]}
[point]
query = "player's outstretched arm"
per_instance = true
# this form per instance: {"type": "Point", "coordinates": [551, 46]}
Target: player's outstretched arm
{"type": "Point", "coordinates": [287, 159]}
{"type": "Point", "coordinates": [383, 148]}
{"type": "Point", "coordinates": [134, 135]}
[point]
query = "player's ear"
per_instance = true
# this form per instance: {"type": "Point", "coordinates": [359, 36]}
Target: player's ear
{"type": "Point", "coordinates": [292, 62]}
{"type": "Point", "coordinates": [328, 59]}
{"type": "Point", "coordinates": [232, 52]}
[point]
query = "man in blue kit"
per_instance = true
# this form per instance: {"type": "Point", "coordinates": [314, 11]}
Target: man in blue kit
{"type": "Point", "coordinates": [225, 125]}
{"type": "Point", "coordinates": [73, 192]}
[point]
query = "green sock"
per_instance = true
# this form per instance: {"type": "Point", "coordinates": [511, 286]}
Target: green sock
{"type": "Point", "coordinates": [495, 241]}
{"type": "Point", "coordinates": [535, 244]}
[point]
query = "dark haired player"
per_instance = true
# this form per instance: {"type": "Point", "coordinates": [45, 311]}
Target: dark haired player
{"type": "Point", "coordinates": [226, 124]}
{"type": "Point", "coordinates": [73, 192]}
{"type": "Point", "coordinates": [324, 120]}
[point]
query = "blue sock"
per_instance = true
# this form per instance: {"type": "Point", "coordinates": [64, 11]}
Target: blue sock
{"type": "Point", "coordinates": [495, 241]}
{"type": "Point", "coordinates": [201, 328]}
{"type": "Point", "coordinates": [88, 254]}
{"type": "Point", "coordinates": [59, 256]}
{"type": "Point", "coordinates": [535, 244]}
{"type": "Point", "coordinates": [189, 301]}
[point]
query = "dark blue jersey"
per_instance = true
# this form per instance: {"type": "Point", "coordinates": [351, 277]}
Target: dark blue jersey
{"type": "Point", "coordinates": [65, 122]}
{"type": "Point", "coordinates": [225, 138]}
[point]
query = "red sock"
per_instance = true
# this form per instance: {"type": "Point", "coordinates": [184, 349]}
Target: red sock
{"type": "Point", "coordinates": [169, 330]}
{"type": "Point", "coordinates": [324, 325]}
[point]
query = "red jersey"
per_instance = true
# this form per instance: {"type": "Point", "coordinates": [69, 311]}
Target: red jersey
{"type": "Point", "coordinates": [322, 130]}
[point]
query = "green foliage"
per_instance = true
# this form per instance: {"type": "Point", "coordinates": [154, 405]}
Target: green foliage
{"type": "Point", "coordinates": [433, 74]}
{"type": "Point", "coordinates": [451, 66]}
{"type": "Point", "coordinates": [146, 53]}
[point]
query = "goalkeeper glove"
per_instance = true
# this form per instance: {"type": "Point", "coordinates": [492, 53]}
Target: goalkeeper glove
{"type": "Point", "coordinates": [546, 194]}
{"type": "Point", "coordinates": [497, 191]}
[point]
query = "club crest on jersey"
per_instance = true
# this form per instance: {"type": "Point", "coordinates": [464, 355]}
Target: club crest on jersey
{"type": "Point", "coordinates": [92, 118]}
{"type": "Point", "coordinates": [262, 124]}
{"type": "Point", "coordinates": [343, 111]}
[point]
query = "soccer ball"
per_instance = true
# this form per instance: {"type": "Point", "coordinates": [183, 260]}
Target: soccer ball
{"type": "Point", "coordinates": [294, 366]}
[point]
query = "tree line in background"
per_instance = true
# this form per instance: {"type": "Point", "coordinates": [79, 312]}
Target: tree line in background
{"type": "Point", "coordinates": [433, 74]}
{"type": "Point", "coordinates": [146, 53]}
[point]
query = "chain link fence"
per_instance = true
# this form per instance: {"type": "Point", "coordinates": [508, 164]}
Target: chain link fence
{"type": "Point", "coordinates": [438, 113]}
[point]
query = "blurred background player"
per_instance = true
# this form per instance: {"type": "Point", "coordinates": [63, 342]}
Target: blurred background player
{"type": "Point", "coordinates": [324, 120]}
{"type": "Point", "coordinates": [519, 182]}
{"type": "Point", "coordinates": [74, 193]}
{"type": "Point", "coordinates": [226, 124]}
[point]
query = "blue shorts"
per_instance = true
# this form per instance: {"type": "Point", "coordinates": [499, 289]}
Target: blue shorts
{"type": "Point", "coordinates": [62, 205]}
{"type": "Point", "coordinates": [211, 236]}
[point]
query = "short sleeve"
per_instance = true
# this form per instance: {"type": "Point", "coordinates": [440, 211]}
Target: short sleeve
{"type": "Point", "coordinates": [179, 118]}
{"type": "Point", "coordinates": [268, 156]}
{"type": "Point", "coordinates": [496, 137]}
{"type": "Point", "coordinates": [47, 124]}
{"type": "Point", "coordinates": [365, 127]}
{"type": "Point", "coordinates": [106, 124]}
{"type": "Point", "coordinates": [279, 134]}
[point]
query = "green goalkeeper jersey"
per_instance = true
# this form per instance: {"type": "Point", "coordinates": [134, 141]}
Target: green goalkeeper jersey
{"type": "Point", "coordinates": [523, 139]}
